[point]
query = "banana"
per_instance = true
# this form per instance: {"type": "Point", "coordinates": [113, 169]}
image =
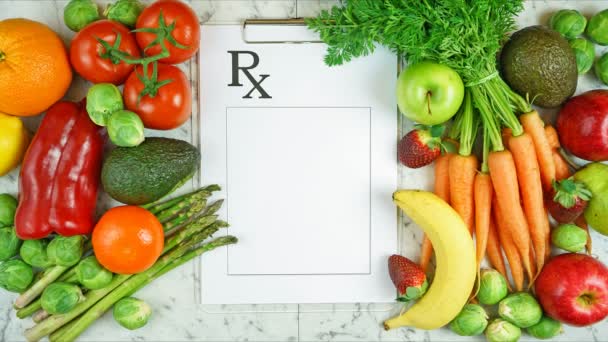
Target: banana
{"type": "Point", "coordinates": [455, 255]}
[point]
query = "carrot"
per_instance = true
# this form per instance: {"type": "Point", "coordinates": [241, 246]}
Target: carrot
{"type": "Point", "coordinates": [483, 193]}
{"type": "Point", "coordinates": [562, 170]}
{"type": "Point", "coordinates": [504, 180]}
{"type": "Point", "coordinates": [494, 252]}
{"type": "Point", "coordinates": [442, 189]}
{"type": "Point", "coordinates": [462, 171]}
{"type": "Point", "coordinates": [533, 125]}
{"type": "Point", "coordinates": [506, 133]}
{"type": "Point", "coordinates": [581, 222]}
{"type": "Point", "coordinates": [528, 176]}
{"type": "Point", "coordinates": [508, 245]}
{"type": "Point", "coordinates": [552, 137]}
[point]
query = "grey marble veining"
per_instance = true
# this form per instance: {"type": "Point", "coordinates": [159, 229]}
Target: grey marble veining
{"type": "Point", "coordinates": [177, 316]}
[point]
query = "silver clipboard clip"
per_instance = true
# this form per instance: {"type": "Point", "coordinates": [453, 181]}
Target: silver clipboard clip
{"type": "Point", "coordinates": [291, 22]}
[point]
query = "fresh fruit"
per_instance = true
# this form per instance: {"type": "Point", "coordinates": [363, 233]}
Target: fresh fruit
{"type": "Point", "coordinates": [456, 265]}
{"type": "Point", "coordinates": [582, 125]}
{"type": "Point", "coordinates": [14, 139]}
{"type": "Point", "coordinates": [539, 64]}
{"type": "Point", "coordinates": [8, 206]}
{"type": "Point", "coordinates": [408, 278]}
{"type": "Point", "coordinates": [103, 65]}
{"type": "Point", "coordinates": [584, 51]}
{"type": "Point", "coordinates": [471, 321]}
{"type": "Point", "coordinates": [103, 99]}
{"type": "Point", "coordinates": [79, 13]}
{"type": "Point", "coordinates": [545, 329]}
{"type": "Point", "coordinates": [520, 309]}
{"type": "Point", "coordinates": [162, 99]}
{"type": "Point", "coordinates": [429, 93]}
{"type": "Point", "coordinates": [420, 147]}
{"type": "Point", "coordinates": [492, 287]}
{"type": "Point", "coordinates": [128, 240]}
{"type": "Point", "coordinates": [568, 22]}
{"type": "Point", "coordinates": [125, 12]}
{"type": "Point", "coordinates": [34, 67]}
{"type": "Point", "coordinates": [569, 237]}
{"type": "Point", "coordinates": [567, 200]}
{"type": "Point", "coordinates": [150, 171]}
{"type": "Point", "coordinates": [597, 29]}
{"type": "Point", "coordinates": [502, 331]}
{"type": "Point", "coordinates": [170, 24]}
{"type": "Point", "coordinates": [595, 177]}
{"type": "Point", "coordinates": [573, 289]}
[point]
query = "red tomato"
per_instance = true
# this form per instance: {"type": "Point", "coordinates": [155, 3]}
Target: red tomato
{"type": "Point", "coordinates": [86, 52]}
{"type": "Point", "coordinates": [165, 107]}
{"type": "Point", "coordinates": [186, 32]}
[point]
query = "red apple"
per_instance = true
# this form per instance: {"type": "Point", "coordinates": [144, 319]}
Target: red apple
{"type": "Point", "coordinates": [582, 125]}
{"type": "Point", "coordinates": [573, 288]}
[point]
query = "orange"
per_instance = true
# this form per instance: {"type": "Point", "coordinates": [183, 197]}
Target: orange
{"type": "Point", "coordinates": [128, 239]}
{"type": "Point", "coordinates": [34, 67]}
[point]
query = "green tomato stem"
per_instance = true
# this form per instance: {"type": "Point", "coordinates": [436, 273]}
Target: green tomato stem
{"type": "Point", "coordinates": [35, 290]}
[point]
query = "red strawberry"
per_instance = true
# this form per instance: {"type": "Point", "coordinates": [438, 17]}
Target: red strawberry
{"type": "Point", "coordinates": [420, 147]}
{"type": "Point", "coordinates": [408, 278]}
{"type": "Point", "coordinates": [568, 200]}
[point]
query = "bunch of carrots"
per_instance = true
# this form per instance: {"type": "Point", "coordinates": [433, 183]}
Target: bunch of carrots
{"type": "Point", "coordinates": [502, 200]}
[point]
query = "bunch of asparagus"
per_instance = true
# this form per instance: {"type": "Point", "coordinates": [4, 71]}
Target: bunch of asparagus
{"type": "Point", "coordinates": [187, 221]}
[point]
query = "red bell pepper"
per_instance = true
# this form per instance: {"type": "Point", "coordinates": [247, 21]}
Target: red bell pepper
{"type": "Point", "coordinates": [60, 175]}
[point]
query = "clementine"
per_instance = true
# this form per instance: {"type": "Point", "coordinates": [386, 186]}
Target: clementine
{"type": "Point", "coordinates": [34, 67]}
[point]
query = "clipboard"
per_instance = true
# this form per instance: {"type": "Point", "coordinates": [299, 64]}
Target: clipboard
{"type": "Point", "coordinates": [248, 25]}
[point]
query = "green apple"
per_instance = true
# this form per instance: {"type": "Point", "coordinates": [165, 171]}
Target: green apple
{"type": "Point", "coordinates": [429, 93]}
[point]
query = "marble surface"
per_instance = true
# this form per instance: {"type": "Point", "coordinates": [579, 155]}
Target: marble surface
{"type": "Point", "coordinates": [177, 316]}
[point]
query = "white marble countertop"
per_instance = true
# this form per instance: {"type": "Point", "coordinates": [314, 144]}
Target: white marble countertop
{"type": "Point", "coordinates": [176, 315]}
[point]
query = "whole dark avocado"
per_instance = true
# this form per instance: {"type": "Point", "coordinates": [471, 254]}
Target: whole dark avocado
{"type": "Point", "coordinates": [538, 63]}
{"type": "Point", "coordinates": [150, 171]}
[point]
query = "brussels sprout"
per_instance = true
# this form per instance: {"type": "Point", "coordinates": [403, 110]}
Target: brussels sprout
{"type": "Point", "coordinates": [124, 11]}
{"type": "Point", "coordinates": [471, 321]}
{"type": "Point", "coordinates": [569, 23]}
{"type": "Point", "coordinates": [569, 237]}
{"type": "Point", "coordinates": [15, 275]}
{"type": "Point", "coordinates": [59, 298]}
{"type": "Point", "coordinates": [597, 29]}
{"type": "Point", "coordinates": [34, 252]}
{"type": "Point", "coordinates": [65, 251]}
{"type": "Point", "coordinates": [103, 99]}
{"type": "Point", "coordinates": [601, 68]}
{"type": "Point", "coordinates": [584, 51]}
{"type": "Point", "coordinates": [125, 129]}
{"type": "Point", "coordinates": [502, 331]}
{"type": "Point", "coordinates": [80, 13]}
{"type": "Point", "coordinates": [92, 275]}
{"type": "Point", "coordinates": [520, 309]}
{"type": "Point", "coordinates": [8, 206]}
{"type": "Point", "coordinates": [9, 243]}
{"type": "Point", "coordinates": [546, 328]}
{"type": "Point", "coordinates": [132, 313]}
{"type": "Point", "coordinates": [492, 287]}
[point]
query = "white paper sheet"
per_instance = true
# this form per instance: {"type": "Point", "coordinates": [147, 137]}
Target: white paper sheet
{"type": "Point", "coordinates": [307, 162]}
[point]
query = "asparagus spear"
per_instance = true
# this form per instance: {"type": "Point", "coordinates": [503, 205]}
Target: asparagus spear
{"type": "Point", "coordinates": [157, 207]}
{"type": "Point", "coordinates": [35, 290]}
{"type": "Point", "coordinates": [29, 310]}
{"type": "Point", "coordinates": [40, 316]}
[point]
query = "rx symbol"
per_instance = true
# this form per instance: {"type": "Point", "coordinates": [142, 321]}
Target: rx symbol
{"type": "Point", "coordinates": [256, 83]}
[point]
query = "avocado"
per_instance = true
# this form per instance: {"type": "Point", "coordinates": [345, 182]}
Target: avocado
{"type": "Point", "coordinates": [150, 171]}
{"type": "Point", "coordinates": [539, 63]}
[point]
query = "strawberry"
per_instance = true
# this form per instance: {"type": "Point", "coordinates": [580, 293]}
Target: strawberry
{"type": "Point", "coordinates": [568, 199]}
{"type": "Point", "coordinates": [421, 146]}
{"type": "Point", "coordinates": [408, 278]}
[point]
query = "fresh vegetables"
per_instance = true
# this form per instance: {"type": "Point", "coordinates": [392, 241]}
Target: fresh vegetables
{"type": "Point", "coordinates": [109, 66]}
{"type": "Point", "coordinates": [9, 243]}
{"type": "Point", "coordinates": [408, 278]}
{"type": "Point", "coordinates": [171, 25]}
{"type": "Point", "coordinates": [15, 275]}
{"type": "Point", "coordinates": [502, 331]}
{"type": "Point", "coordinates": [568, 22]}
{"type": "Point", "coordinates": [92, 275]}
{"type": "Point", "coordinates": [492, 287]}
{"type": "Point", "coordinates": [595, 177]}
{"type": "Point", "coordinates": [59, 298]}
{"type": "Point", "coordinates": [584, 52]}
{"type": "Point", "coordinates": [79, 13]}
{"type": "Point", "coordinates": [471, 321]}
{"type": "Point", "coordinates": [128, 240]}
{"type": "Point", "coordinates": [597, 28]}
{"type": "Point", "coordinates": [14, 139]}
{"type": "Point", "coordinates": [161, 96]}
{"type": "Point", "coordinates": [8, 206]}
{"type": "Point", "coordinates": [568, 200]}
{"type": "Point", "coordinates": [546, 328]}
{"type": "Point", "coordinates": [125, 129]}
{"type": "Point", "coordinates": [429, 93]}
{"type": "Point", "coordinates": [150, 171]}
{"type": "Point", "coordinates": [34, 68]}
{"type": "Point", "coordinates": [65, 251]}
{"type": "Point", "coordinates": [509, 247]}
{"type": "Point", "coordinates": [601, 68]}
{"type": "Point", "coordinates": [132, 313]}
{"type": "Point", "coordinates": [34, 252]}
{"type": "Point", "coordinates": [103, 99]}
{"type": "Point", "coordinates": [494, 251]}
{"type": "Point", "coordinates": [124, 11]}
{"type": "Point", "coordinates": [520, 309]}
{"type": "Point", "coordinates": [569, 237]}
{"type": "Point", "coordinates": [420, 147]}
{"type": "Point", "coordinates": [482, 194]}
{"type": "Point", "coordinates": [58, 190]}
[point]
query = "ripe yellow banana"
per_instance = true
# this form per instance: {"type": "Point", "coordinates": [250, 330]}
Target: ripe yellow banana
{"type": "Point", "coordinates": [455, 255]}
